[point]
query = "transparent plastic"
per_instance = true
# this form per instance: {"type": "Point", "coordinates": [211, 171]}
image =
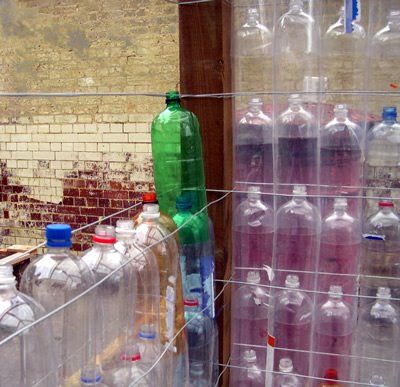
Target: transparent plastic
{"type": "Point", "coordinates": [200, 331]}
{"type": "Point", "coordinates": [253, 225]}
{"type": "Point", "coordinates": [53, 279]}
{"type": "Point", "coordinates": [381, 252]}
{"type": "Point", "coordinates": [117, 295]}
{"type": "Point", "coordinates": [339, 251]}
{"type": "Point", "coordinates": [334, 326]}
{"type": "Point", "coordinates": [292, 316]}
{"type": "Point", "coordinates": [20, 364]}
{"type": "Point", "coordinates": [91, 376]}
{"type": "Point", "coordinates": [286, 377]}
{"type": "Point", "coordinates": [249, 318]}
{"type": "Point", "coordinates": [296, 244]}
{"type": "Point", "coordinates": [150, 232]}
{"type": "Point", "coordinates": [250, 373]}
{"type": "Point", "coordinates": [377, 341]}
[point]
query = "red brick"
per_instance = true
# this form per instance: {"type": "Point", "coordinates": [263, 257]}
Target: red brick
{"type": "Point", "coordinates": [110, 211]}
{"type": "Point", "coordinates": [94, 211]}
{"type": "Point", "coordinates": [116, 185]}
{"type": "Point", "coordinates": [79, 183]}
{"type": "Point", "coordinates": [96, 193]}
{"type": "Point", "coordinates": [71, 192]}
{"type": "Point", "coordinates": [36, 216]}
{"type": "Point", "coordinates": [104, 202]}
{"type": "Point", "coordinates": [92, 184]}
{"type": "Point", "coordinates": [79, 202]}
{"type": "Point", "coordinates": [116, 194]}
{"type": "Point", "coordinates": [92, 202]}
{"type": "Point", "coordinates": [68, 201]}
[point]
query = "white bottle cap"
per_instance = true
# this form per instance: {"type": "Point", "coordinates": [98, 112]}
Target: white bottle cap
{"type": "Point", "coordinates": [253, 277]}
{"type": "Point", "coordinates": [151, 211]}
{"type": "Point", "coordinates": [125, 226]}
{"type": "Point", "coordinates": [285, 365]}
{"type": "Point", "coordinates": [383, 293]}
{"type": "Point", "coordinates": [250, 356]}
{"type": "Point", "coordinates": [104, 230]}
{"type": "Point", "coordinates": [340, 203]}
{"type": "Point", "coordinates": [394, 15]}
{"type": "Point", "coordinates": [295, 99]}
{"type": "Point", "coordinates": [299, 190]}
{"type": "Point", "coordinates": [335, 291]}
{"type": "Point", "coordinates": [292, 281]}
{"type": "Point", "coordinates": [254, 193]}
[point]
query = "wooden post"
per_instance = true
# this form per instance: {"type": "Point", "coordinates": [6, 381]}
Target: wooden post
{"type": "Point", "coordinates": [205, 68]}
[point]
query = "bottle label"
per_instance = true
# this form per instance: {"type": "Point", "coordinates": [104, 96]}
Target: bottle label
{"type": "Point", "coordinates": [170, 312]}
{"type": "Point", "coordinates": [207, 280]}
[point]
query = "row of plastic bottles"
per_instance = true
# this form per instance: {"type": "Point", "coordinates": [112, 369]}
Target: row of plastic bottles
{"type": "Point", "coordinates": [126, 330]}
{"type": "Point", "coordinates": [341, 152]}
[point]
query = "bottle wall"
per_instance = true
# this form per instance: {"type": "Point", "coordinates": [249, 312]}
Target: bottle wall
{"type": "Point", "coordinates": [310, 169]}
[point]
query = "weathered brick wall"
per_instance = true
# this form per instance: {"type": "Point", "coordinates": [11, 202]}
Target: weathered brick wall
{"type": "Point", "coordinates": [73, 159]}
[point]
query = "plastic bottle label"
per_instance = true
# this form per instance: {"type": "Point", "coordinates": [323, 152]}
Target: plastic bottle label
{"type": "Point", "coordinates": [170, 311]}
{"type": "Point", "coordinates": [207, 276]}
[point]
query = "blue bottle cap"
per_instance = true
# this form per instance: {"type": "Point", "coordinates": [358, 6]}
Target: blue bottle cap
{"type": "Point", "coordinates": [183, 202]}
{"type": "Point", "coordinates": [389, 113]}
{"type": "Point", "coordinates": [58, 235]}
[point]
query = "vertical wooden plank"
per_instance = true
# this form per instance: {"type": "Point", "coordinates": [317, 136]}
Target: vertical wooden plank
{"type": "Point", "coordinates": [205, 68]}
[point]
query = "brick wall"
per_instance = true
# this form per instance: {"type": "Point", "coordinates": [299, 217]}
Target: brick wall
{"type": "Point", "coordinates": [73, 159]}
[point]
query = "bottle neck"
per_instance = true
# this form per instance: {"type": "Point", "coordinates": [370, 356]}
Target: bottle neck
{"type": "Point", "coordinates": [104, 246]}
{"type": "Point", "coordinates": [173, 104]}
{"type": "Point", "coordinates": [58, 250]}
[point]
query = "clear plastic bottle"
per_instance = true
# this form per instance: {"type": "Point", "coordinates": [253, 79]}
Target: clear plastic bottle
{"type": "Point", "coordinates": [297, 153]}
{"type": "Point", "coordinates": [250, 373]}
{"type": "Point", "coordinates": [253, 38]}
{"type": "Point", "coordinates": [334, 326]}
{"type": "Point", "coordinates": [340, 251]}
{"type": "Point", "coordinates": [341, 159]}
{"type": "Point", "coordinates": [382, 167]}
{"type": "Point", "coordinates": [150, 232]}
{"type": "Point", "coordinates": [381, 252]}
{"type": "Point", "coordinates": [377, 337]}
{"type": "Point", "coordinates": [91, 376]}
{"type": "Point", "coordinates": [196, 374]}
{"type": "Point", "coordinates": [298, 226]}
{"type": "Point", "coordinates": [249, 318]}
{"type": "Point", "coordinates": [196, 255]}
{"type": "Point", "coordinates": [292, 313]}
{"type": "Point", "coordinates": [200, 331]}
{"type": "Point", "coordinates": [253, 224]}
{"type": "Point", "coordinates": [52, 280]}
{"type": "Point", "coordinates": [286, 377]}
{"type": "Point", "coordinates": [117, 295]}
{"type": "Point", "coordinates": [148, 276]}
{"type": "Point", "coordinates": [378, 380]}
{"type": "Point", "coordinates": [253, 149]}
{"type": "Point", "coordinates": [20, 364]}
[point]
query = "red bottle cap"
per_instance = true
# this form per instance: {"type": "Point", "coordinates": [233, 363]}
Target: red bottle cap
{"type": "Point", "coordinates": [386, 204]}
{"type": "Point", "coordinates": [332, 374]}
{"type": "Point", "coordinates": [149, 197]}
{"type": "Point", "coordinates": [125, 357]}
{"type": "Point", "coordinates": [104, 239]}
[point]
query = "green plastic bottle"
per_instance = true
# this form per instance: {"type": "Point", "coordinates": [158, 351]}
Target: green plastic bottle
{"type": "Point", "coordinates": [178, 157]}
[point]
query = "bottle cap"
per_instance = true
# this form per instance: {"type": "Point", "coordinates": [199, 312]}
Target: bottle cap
{"type": "Point", "coordinates": [285, 365]}
{"type": "Point", "coordinates": [191, 302]}
{"type": "Point", "coordinates": [253, 277]}
{"type": "Point", "coordinates": [335, 291]}
{"type": "Point", "coordinates": [125, 226]}
{"type": "Point", "coordinates": [296, 2]}
{"type": "Point", "coordinates": [172, 96]}
{"type": "Point", "coordinates": [340, 111]}
{"type": "Point", "coordinates": [292, 281]}
{"type": "Point", "coordinates": [6, 275]}
{"type": "Point", "coordinates": [331, 373]}
{"type": "Point", "coordinates": [253, 13]}
{"type": "Point", "coordinates": [377, 380]}
{"type": "Point", "coordinates": [255, 102]}
{"type": "Point", "coordinates": [340, 203]}
{"type": "Point", "coordinates": [91, 375]}
{"type": "Point", "coordinates": [394, 15]}
{"type": "Point", "coordinates": [383, 293]}
{"type": "Point", "coordinates": [149, 198]}
{"type": "Point", "coordinates": [389, 113]}
{"type": "Point", "coordinates": [147, 332]}
{"type": "Point", "coordinates": [295, 99]}
{"type": "Point", "coordinates": [183, 202]}
{"type": "Point", "coordinates": [131, 354]}
{"type": "Point", "coordinates": [385, 204]}
{"type": "Point", "coordinates": [254, 193]}
{"type": "Point", "coordinates": [299, 190]}
{"type": "Point", "coordinates": [250, 356]}
{"type": "Point", "coordinates": [151, 211]}
{"type": "Point", "coordinates": [104, 234]}
{"type": "Point", "coordinates": [58, 235]}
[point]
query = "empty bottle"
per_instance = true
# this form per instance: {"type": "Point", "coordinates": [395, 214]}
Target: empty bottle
{"type": "Point", "coordinates": [148, 276]}
{"type": "Point", "coordinates": [249, 318]}
{"type": "Point", "coordinates": [250, 373]}
{"type": "Point", "coordinates": [341, 159]}
{"type": "Point", "coordinates": [153, 234]}
{"type": "Point", "coordinates": [200, 331]}
{"type": "Point", "coordinates": [52, 280]}
{"type": "Point", "coordinates": [378, 380]}
{"type": "Point", "coordinates": [334, 326]}
{"type": "Point", "coordinates": [297, 155]}
{"type": "Point", "coordinates": [292, 314]}
{"type": "Point", "coordinates": [91, 376]}
{"type": "Point", "coordinates": [196, 259]}
{"type": "Point", "coordinates": [377, 341]}
{"type": "Point", "coordinates": [383, 152]}
{"type": "Point", "coordinates": [298, 225]}
{"type": "Point", "coordinates": [253, 38]}
{"type": "Point", "coordinates": [331, 379]}
{"type": "Point", "coordinates": [381, 252]}
{"type": "Point", "coordinates": [340, 251]}
{"type": "Point", "coordinates": [253, 224]}
{"type": "Point", "coordinates": [117, 294]}
{"type": "Point", "coordinates": [286, 377]}
{"type": "Point", "coordinates": [178, 156]}
{"type": "Point", "coordinates": [28, 358]}
{"type": "Point", "coordinates": [253, 149]}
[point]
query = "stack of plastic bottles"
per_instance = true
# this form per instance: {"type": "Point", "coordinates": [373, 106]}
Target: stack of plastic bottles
{"type": "Point", "coordinates": [316, 173]}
